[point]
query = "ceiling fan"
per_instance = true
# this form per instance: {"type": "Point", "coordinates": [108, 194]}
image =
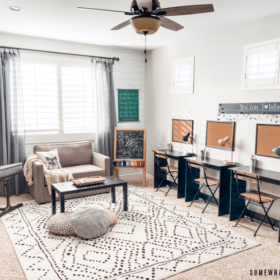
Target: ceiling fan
{"type": "Point", "coordinates": [149, 16]}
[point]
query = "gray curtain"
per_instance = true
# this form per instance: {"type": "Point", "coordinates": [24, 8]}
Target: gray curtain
{"type": "Point", "coordinates": [12, 144]}
{"type": "Point", "coordinates": [104, 110]}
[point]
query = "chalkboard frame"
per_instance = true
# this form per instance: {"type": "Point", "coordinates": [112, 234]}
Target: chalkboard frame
{"type": "Point", "coordinates": [138, 117]}
{"type": "Point", "coordinates": [256, 141]}
{"type": "Point", "coordinates": [221, 148]}
{"type": "Point", "coordinates": [144, 144]}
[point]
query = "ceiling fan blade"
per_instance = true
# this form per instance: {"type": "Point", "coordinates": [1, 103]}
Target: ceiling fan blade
{"type": "Point", "coordinates": [104, 10]}
{"type": "Point", "coordinates": [188, 10]}
{"type": "Point", "coordinates": [122, 25]}
{"type": "Point", "coordinates": [170, 24]}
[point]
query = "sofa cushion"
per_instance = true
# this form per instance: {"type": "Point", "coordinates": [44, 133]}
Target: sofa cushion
{"type": "Point", "coordinates": [80, 171]}
{"type": "Point", "coordinates": [70, 154]}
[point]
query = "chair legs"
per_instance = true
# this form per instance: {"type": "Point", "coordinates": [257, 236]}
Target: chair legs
{"type": "Point", "coordinates": [197, 193]}
{"type": "Point", "coordinates": [160, 184]}
{"type": "Point", "coordinates": [265, 215]}
{"type": "Point", "coordinates": [212, 196]}
{"type": "Point", "coordinates": [261, 222]}
{"type": "Point", "coordinates": [242, 213]}
{"type": "Point", "coordinates": [170, 187]}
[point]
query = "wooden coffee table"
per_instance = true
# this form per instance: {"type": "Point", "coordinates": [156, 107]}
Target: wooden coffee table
{"type": "Point", "coordinates": [69, 188]}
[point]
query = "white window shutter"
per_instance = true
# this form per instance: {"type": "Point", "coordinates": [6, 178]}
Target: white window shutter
{"type": "Point", "coordinates": [78, 98]}
{"type": "Point", "coordinates": [182, 76]}
{"type": "Point", "coordinates": [261, 70]}
{"type": "Point", "coordinates": [40, 98]}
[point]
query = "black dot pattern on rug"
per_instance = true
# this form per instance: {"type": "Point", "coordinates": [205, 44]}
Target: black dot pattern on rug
{"type": "Point", "coordinates": [154, 239]}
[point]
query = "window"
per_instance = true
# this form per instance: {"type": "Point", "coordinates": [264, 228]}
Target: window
{"type": "Point", "coordinates": [77, 100]}
{"type": "Point", "coordinates": [40, 98]}
{"type": "Point", "coordinates": [261, 66]}
{"type": "Point", "coordinates": [58, 100]}
{"type": "Point", "coordinates": [182, 75]}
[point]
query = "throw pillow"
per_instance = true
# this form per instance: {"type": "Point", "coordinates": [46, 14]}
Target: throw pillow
{"type": "Point", "coordinates": [50, 159]}
{"type": "Point", "coordinates": [90, 221]}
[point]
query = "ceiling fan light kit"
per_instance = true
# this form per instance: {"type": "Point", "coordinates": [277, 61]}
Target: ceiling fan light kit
{"type": "Point", "coordinates": [149, 16]}
{"type": "Point", "coordinates": [150, 25]}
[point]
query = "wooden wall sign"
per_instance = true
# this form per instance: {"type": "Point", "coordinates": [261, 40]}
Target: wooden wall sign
{"type": "Point", "coordinates": [250, 108]}
{"type": "Point", "coordinates": [128, 105]}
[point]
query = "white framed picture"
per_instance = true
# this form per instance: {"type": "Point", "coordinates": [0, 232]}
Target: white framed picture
{"type": "Point", "coordinates": [183, 76]}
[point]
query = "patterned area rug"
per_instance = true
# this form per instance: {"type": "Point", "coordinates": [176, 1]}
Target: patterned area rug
{"type": "Point", "coordinates": [153, 240]}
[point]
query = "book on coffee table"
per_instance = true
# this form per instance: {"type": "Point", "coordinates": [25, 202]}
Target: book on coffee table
{"type": "Point", "coordinates": [81, 182]}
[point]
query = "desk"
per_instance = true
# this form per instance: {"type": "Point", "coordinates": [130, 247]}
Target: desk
{"type": "Point", "coordinates": [224, 189]}
{"type": "Point", "coordinates": [182, 166]}
{"type": "Point", "coordinates": [236, 203]}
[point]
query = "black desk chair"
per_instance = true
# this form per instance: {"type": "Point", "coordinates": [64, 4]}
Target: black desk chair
{"type": "Point", "coordinates": [254, 197]}
{"type": "Point", "coordinates": [6, 173]}
{"type": "Point", "coordinates": [205, 181]}
{"type": "Point", "coordinates": [165, 171]}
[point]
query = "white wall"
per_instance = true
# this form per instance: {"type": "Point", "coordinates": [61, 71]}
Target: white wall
{"type": "Point", "coordinates": [129, 72]}
{"type": "Point", "coordinates": [218, 70]}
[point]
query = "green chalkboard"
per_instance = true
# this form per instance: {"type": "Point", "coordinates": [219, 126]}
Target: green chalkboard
{"type": "Point", "coordinates": [128, 103]}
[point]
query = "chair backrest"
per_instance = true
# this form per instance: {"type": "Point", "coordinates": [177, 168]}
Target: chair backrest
{"type": "Point", "coordinates": [198, 164]}
{"type": "Point", "coordinates": [160, 156]}
{"type": "Point", "coordinates": [246, 176]}
{"type": "Point", "coordinates": [195, 164]}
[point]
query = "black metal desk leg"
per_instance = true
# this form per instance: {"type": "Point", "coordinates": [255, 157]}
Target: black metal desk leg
{"type": "Point", "coordinates": [237, 204]}
{"type": "Point", "coordinates": [191, 187]}
{"type": "Point", "coordinates": [62, 203]}
{"type": "Point", "coordinates": [53, 201]}
{"type": "Point", "coordinates": [224, 191]}
{"type": "Point", "coordinates": [182, 169]}
{"type": "Point", "coordinates": [125, 206]}
{"type": "Point", "coordinates": [113, 193]}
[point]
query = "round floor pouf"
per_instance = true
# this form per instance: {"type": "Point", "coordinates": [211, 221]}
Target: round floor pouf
{"type": "Point", "coordinates": [61, 224]}
{"type": "Point", "coordinates": [90, 221]}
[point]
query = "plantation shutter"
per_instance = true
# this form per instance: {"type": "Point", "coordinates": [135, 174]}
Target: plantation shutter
{"type": "Point", "coordinates": [182, 76]}
{"type": "Point", "coordinates": [262, 66]}
{"type": "Point", "coordinates": [40, 98]}
{"type": "Point", "coordinates": [77, 95]}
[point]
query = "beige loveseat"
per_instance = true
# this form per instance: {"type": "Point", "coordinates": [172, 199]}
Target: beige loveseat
{"type": "Point", "coordinates": [76, 157]}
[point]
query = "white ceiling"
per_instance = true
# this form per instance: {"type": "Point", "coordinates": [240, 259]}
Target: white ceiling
{"type": "Point", "coordinates": [60, 19]}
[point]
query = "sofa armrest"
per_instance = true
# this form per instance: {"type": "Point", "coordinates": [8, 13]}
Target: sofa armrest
{"type": "Point", "coordinates": [102, 162]}
{"type": "Point", "coordinates": [38, 179]}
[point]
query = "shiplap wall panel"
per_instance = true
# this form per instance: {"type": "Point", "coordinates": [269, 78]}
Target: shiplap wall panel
{"type": "Point", "coordinates": [129, 72]}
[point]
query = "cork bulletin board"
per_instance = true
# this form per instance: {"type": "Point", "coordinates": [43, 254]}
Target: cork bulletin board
{"type": "Point", "coordinates": [128, 105]}
{"type": "Point", "coordinates": [180, 128]}
{"type": "Point", "coordinates": [219, 130]}
{"type": "Point", "coordinates": [267, 138]}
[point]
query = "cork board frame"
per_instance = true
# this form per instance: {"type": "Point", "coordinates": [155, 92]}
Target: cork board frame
{"type": "Point", "coordinates": [267, 138]}
{"type": "Point", "coordinates": [180, 128]}
{"type": "Point", "coordinates": [216, 130]}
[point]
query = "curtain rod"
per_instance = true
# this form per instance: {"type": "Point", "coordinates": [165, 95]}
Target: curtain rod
{"type": "Point", "coordinates": [83, 55]}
